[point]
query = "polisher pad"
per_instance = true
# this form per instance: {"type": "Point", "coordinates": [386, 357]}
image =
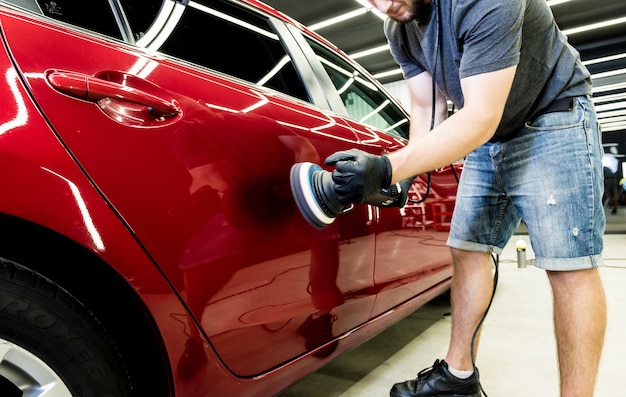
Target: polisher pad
{"type": "Point", "coordinates": [312, 190]}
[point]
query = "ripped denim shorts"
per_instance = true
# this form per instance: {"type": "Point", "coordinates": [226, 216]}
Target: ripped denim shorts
{"type": "Point", "coordinates": [550, 177]}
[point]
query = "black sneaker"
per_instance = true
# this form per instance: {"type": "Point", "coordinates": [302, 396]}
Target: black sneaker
{"type": "Point", "coordinates": [437, 381]}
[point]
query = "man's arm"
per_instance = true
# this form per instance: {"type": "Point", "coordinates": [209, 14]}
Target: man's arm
{"type": "Point", "coordinates": [421, 90]}
{"type": "Point", "coordinates": [484, 98]}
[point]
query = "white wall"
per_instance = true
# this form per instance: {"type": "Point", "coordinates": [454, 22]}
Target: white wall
{"type": "Point", "coordinates": [400, 91]}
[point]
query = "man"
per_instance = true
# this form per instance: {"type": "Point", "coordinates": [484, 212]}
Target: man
{"type": "Point", "coordinates": [528, 132]}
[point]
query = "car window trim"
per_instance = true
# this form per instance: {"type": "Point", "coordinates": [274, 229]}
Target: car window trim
{"type": "Point", "coordinates": [122, 22]}
{"type": "Point", "coordinates": [328, 88]}
{"type": "Point", "coordinates": [301, 64]}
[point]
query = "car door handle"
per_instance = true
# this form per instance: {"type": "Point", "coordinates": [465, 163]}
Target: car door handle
{"type": "Point", "coordinates": [114, 84]}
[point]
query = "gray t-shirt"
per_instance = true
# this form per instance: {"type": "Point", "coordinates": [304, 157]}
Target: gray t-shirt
{"type": "Point", "coordinates": [468, 37]}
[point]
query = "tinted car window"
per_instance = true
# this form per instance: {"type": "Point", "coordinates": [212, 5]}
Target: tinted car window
{"type": "Point", "coordinates": [142, 13]}
{"type": "Point", "coordinates": [363, 100]}
{"type": "Point", "coordinates": [211, 33]}
{"type": "Point", "coordinates": [221, 36]}
{"type": "Point", "coordinates": [95, 15]}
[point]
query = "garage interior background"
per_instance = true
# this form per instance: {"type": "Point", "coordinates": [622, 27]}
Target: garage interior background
{"type": "Point", "coordinates": [596, 29]}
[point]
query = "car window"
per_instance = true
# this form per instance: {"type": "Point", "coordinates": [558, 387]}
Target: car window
{"type": "Point", "coordinates": [216, 34]}
{"type": "Point", "coordinates": [82, 13]}
{"type": "Point", "coordinates": [219, 35]}
{"type": "Point", "coordinates": [363, 99]}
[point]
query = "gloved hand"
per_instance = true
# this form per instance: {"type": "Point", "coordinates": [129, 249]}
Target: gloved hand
{"type": "Point", "coordinates": [359, 176]}
{"type": "Point", "coordinates": [404, 194]}
{"type": "Point", "coordinates": [396, 195]}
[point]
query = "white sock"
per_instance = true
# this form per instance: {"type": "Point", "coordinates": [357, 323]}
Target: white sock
{"type": "Point", "coordinates": [460, 374]}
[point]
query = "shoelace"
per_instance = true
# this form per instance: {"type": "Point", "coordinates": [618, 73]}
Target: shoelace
{"type": "Point", "coordinates": [426, 373]}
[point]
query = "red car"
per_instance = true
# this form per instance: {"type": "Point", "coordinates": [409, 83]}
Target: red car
{"type": "Point", "coordinates": [150, 244]}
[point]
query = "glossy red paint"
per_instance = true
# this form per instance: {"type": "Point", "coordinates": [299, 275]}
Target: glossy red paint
{"type": "Point", "coordinates": [177, 180]}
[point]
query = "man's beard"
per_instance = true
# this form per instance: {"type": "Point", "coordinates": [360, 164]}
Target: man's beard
{"type": "Point", "coordinates": [416, 11]}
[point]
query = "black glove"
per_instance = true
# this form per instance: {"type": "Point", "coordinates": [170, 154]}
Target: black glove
{"type": "Point", "coordinates": [359, 176]}
{"type": "Point", "coordinates": [403, 198]}
{"type": "Point", "coordinates": [396, 195]}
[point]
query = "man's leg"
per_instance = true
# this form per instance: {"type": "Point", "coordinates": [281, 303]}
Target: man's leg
{"type": "Point", "coordinates": [472, 286]}
{"type": "Point", "coordinates": [579, 323]}
{"type": "Point", "coordinates": [471, 291]}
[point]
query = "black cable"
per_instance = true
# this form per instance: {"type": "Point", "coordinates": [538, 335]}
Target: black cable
{"type": "Point", "coordinates": [496, 259]}
{"type": "Point", "coordinates": [433, 109]}
{"type": "Point", "coordinates": [496, 262]}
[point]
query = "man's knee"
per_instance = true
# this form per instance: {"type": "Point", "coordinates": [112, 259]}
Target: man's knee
{"type": "Point", "coordinates": [468, 257]}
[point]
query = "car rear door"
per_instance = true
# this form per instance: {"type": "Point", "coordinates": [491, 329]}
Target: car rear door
{"type": "Point", "coordinates": [197, 164]}
{"type": "Point", "coordinates": [411, 253]}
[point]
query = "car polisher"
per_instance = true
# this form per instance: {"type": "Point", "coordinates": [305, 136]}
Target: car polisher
{"type": "Point", "coordinates": [314, 193]}
{"type": "Point", "coordinates": [312, 189]}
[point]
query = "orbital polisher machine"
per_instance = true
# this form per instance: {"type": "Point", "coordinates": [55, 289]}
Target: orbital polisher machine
{"type": "Point", "coordinates": [313, 190]}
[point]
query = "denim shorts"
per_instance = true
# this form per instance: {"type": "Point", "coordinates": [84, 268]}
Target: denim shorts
{"type": "Point", "coordinates": [550, 177]}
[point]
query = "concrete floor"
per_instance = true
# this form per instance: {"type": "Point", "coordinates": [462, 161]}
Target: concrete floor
{"type": "Point", "coordinates": [517, 355]}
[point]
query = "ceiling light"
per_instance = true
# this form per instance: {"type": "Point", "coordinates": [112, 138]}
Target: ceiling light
{"type": "Point", "coordinates": [614, 127]}
{"type": "Point", "coordinates": [594, 26]}
{"type": "Point", "coordinates": [608, 73]}
{"type": "Point", "coordinates": [609, 114]}
{"type": "Point", "coordinates": [609, 98]}
{"type": "Point", "coordinates": [611, 106]}
{"type": "Point", "coordinates": [604, 59]}
{"type": "Point", "coordinates": [556, 2]}
{"type": "Point", "coordinates": [371, 51]}
{"type": "Point", "coordinates": [388, 73]}
{"type": "Point", "coordinates": [338, 19]}
{"type": "Point", "coordinates": [609, 87]}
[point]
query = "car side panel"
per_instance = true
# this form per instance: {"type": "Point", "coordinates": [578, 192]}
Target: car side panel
{"type": "Point", "coordinates": [411, 251]}
{"type": "Point", "coordinates": [206, 191]}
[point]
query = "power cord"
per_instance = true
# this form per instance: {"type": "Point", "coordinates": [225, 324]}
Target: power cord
{"type": "Point", "coordinates": [496, 262]}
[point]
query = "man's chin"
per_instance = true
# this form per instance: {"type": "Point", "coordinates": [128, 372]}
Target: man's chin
{"type": "Point", "coordinates": [405, 18]}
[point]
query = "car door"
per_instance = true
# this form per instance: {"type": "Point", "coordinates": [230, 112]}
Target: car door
{"type": "Point", "coordinates": [411, 252]}
{"type": "Point", "coordinates": [196, 164]}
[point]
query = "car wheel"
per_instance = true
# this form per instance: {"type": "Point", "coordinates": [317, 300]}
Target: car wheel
{"type": "Point", "coordinates": [50, 344]}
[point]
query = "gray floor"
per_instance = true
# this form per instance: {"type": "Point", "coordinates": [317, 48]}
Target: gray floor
{"type": "Point", "coordinates": [517, 353]}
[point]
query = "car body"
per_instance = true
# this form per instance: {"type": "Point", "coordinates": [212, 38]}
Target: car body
{"type": "Point", "coordinates": [150, 242]}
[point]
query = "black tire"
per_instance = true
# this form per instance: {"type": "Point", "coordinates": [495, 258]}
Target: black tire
{"type": "Point", "coordinates": [48, 339]}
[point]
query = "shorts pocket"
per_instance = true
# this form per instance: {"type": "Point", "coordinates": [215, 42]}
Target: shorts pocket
{"type": "Point", "coordinates": [557, 121]}
{"type": "Point", "coordinates": [560, 120]}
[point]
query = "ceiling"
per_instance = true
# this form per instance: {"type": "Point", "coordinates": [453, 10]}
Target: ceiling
{"type": "Point", "coordinates": [362, 30]}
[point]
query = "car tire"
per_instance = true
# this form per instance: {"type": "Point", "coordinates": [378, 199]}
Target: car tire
{"type": "Point", "coordinates": [51, 343]}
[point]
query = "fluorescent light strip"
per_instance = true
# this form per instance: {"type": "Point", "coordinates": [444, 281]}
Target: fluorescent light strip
{"type": "Point", "coordinates": [371, 51]}
{"type": "Point", "coordinates": [618, 119]}
{"type": "Point", "coordinates": [556, 2]}
{"type": "Point", "coordinates": [607, 98]}
{"type": "Point", "coordinates": [338, 19]}
{"type": "Point", "coordinates": [611, 106]}
{"type": "Point", "coordinates": [614, 127]}
{"type": "Point", "coordinates": [604, 59]}
{"type": "Point", "coordinates": [609, 114]}
{"type": "Point", "coordinates": [613, 113]}
{"type": "Point", "coordinates": [609, 87]}
{"type": "Point", "coordinates": [593, 26]}
{"type": "Point", "coordinates": [594, 76]}
{"type": "Point", "coordinates": [388, 73]}
{"type": "Point", "coordinates": [609, 73]}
